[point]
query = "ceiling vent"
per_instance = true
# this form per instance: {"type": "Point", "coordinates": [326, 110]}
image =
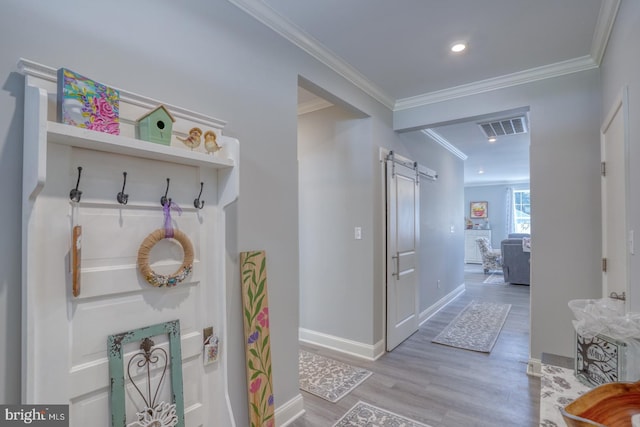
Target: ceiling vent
{"type": "Point", "coordinates": [513, 126]}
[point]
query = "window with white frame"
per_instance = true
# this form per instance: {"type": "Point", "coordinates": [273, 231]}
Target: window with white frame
{"type": "Point", "coordinates": [521, 211]}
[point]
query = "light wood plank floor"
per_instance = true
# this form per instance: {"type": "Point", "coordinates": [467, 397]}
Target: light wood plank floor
{"type": "Point", "coordinates": [443, 386]}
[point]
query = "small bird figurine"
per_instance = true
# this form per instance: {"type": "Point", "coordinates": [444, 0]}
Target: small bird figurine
{"type": "Point", "coordinates": [193, 140]}
{"type": "Point", "coordinates": [210, 143]}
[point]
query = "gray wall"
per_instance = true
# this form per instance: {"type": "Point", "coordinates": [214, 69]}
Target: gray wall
{"type": "Point", "coordinates": [496, 196]}
{"type": "Point", "coordinates": [207, 56]}
{"type": "Point", "coordinates": [441, 219]}
{"type": "Point", "coordinates": [621, 67]}
{"type": "Point", "coordinates": [337, 166]}
{"type": "Point", "coordinates": [336, 271]}
{"type": "Point", "coordinates": [565, 116]}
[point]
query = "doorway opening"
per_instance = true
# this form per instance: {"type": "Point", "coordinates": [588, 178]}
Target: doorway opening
{"type": "Point", "coordinates": [335, 171]}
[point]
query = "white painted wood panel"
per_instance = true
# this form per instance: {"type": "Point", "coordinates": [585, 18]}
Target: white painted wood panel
{"type": "Point", "coordinates": [65, 337]}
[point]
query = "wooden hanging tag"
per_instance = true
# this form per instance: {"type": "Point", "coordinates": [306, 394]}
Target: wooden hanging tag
{"type": "Point", "coordinates": [76, 249]}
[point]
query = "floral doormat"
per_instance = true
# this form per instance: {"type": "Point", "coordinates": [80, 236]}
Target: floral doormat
{"type": "Point", "coordinates": [328, 378]}
{"type": "Point", "coordinates": [558, 387]}
{"type": "Point", "coordinates": [476, 328]}
{"type": "Point", "coordinates": [365, 415]}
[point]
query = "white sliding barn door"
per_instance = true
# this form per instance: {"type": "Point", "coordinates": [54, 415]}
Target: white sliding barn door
{"type": "Point", "coordinates": [615, 244]}
{"type": "Point", "coordinates": [403, 237]}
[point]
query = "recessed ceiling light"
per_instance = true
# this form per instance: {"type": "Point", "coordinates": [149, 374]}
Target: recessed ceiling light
{"type": "Point", "coordinates": [458, 47]}
{"type": "Point", "coordinates": [480, 172]}
{"type": "Point", "coordinates": [492, 139]}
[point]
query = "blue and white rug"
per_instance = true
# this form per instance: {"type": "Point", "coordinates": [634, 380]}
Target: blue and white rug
{"type": "Point", "coordinates": [328, 378]}
{"type": "Point", "coordinates": [476, 327]}
{"type": "Point", "coordinates": [365, 415]}
{"type": "Point", "coordinates": [495, 279]}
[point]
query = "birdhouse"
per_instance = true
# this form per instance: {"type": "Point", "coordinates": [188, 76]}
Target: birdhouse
{"type": "Point", "coordinates": [156, 125]}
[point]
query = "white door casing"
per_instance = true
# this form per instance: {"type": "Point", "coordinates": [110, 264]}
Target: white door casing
{"type": "Point", "coordinates": [403, 236]}
{"type": "Point", "coordinates": [615, 233]}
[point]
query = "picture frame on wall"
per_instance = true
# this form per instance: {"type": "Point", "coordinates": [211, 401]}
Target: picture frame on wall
{"type": "Point", "coordinates": [479, 210]}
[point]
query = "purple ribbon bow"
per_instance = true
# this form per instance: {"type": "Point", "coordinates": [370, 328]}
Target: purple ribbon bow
{"type": "Point", "coordinates": [168, 228]}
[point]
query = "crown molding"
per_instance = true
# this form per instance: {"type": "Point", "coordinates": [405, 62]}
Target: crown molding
{"type": "Point", "coordinates": [269, 17]}
{"type": "Point", "coordinates": [534, 74]}
{"type": "Point", "coordinates": [444, 143]}
{"type": "Point", "coordinates": [518, 182]}
{"type": "Point", "coordinates": [45, 72]}
{"type": "Point", "coordinates": [604, 26]}
{"type": "Point", "coordinates": [311, 106]}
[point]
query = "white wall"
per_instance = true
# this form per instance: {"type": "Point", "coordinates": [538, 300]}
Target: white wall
{"type": "Point", "coordinates": [565, 113]}
{"type": "Point", "coordinates": [620, 68]}
{"type": "Point", "coordinates": [207, 56]}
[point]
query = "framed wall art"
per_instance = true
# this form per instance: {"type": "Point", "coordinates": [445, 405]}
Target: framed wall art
{"type": "Point", "coordinates": [140, 376]}
{"type": "Point", "coordinates": [479, 210]}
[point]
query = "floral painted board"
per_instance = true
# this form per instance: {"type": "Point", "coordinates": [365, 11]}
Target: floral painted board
{"type": "Point", "coordinates": [257, 338]}
{"type": "Point", "coordinates": [88, 104]}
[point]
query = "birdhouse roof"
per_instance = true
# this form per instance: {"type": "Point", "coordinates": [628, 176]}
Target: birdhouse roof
{"type": "Point", "coordinates": [159, 107]}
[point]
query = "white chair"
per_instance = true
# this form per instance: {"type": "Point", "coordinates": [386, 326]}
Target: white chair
{"type": "Point", "coordinates": [491, 258]}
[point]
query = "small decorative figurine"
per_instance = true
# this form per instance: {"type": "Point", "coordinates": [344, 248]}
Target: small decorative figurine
{"type": "Point", "coordinates": [193, 140]}
{"type": "Point", "coordinates": [210, 143]}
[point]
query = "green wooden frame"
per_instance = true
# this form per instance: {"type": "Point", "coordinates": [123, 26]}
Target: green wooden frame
{"type": "Point", "coordinates": [115, 345]}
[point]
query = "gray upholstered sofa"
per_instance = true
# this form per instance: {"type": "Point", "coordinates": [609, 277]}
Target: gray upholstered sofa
{"type": "Point", "coordinates": [515, 261]}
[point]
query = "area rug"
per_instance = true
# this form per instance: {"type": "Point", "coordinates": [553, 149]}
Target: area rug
{"type": "Point", "coordinates": [495, 279]}
{"type": "Point", "coordinates": [328, 378]}
{"type": "Point", "coordinates": [558, 387]}
{"type": "Point", "coordinates": [476, 328]}
{"type": "Point", "coordinates": [365, 415]}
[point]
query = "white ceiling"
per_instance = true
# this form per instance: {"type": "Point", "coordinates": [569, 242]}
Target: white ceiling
{"type": "Point", "coordinates": [398, 52]}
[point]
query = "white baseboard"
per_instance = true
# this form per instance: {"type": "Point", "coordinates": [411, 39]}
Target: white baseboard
{"type": "Point", "coordinates": [290, 411]}
{"type": "Point", "coordinates": [534, 367]}
{"type": "Point", "coordinates": [343, 345]}
{"type": "Point", "coordinates": [429, 312]}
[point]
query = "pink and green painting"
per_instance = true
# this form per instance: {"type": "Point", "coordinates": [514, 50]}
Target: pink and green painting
{"type": "Point", "coordinates": [88, 104]}
{"type": "Point", "coordinates": [257, 338]}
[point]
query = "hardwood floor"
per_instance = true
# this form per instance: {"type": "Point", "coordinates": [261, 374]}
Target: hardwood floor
{"type": "Point", "coordinates": [443, 386]}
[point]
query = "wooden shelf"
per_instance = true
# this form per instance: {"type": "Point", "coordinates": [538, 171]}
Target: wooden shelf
{"type": "Point", "coordinates": [63, 134]}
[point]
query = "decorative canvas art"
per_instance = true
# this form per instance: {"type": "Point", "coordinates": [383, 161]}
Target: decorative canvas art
{"type": "Point", "coordinates": [599, 360]}
{"type": "Point", "coordinates": [256, 331]}
{"type": "Point", "coordinates": [88, 104]}
{"type": "Point", "coordinates": [479, 210]}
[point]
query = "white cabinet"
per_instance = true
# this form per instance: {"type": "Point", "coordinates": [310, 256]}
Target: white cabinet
{"type": "Point", "coordinates": [471, 251]}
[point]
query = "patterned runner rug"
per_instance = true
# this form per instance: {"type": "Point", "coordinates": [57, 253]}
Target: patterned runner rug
{"type": "Point", "coordinates": [328, 378]}
{"type": "Point", "coordinates": [476, 328]}
{"type": "Point", "coordinates": [495, 279]}
{"type": "Point", "coordinates": [365, 415]}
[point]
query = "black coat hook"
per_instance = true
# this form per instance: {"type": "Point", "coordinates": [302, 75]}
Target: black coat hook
{"type": "Point", "coordinates": [76, 194]}
{"type": "Point", "coordinates": [197, 203]}
{"type": "Point", "coordinates": [163, 199]}
{"type": "Point", "coordinates": [122, 198]}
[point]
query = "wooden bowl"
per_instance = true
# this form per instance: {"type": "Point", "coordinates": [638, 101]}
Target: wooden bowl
{"type": "Point", "coordinates": [608, 405]}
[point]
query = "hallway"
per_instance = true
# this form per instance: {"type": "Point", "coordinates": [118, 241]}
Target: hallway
{"type": "Point", "coordinates": [443, 386]}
